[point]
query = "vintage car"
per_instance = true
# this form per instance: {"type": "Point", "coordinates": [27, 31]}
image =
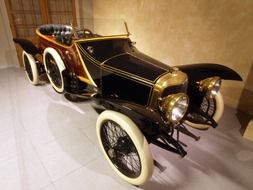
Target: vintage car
{"type": "Point", "coordinates": [140, 100]}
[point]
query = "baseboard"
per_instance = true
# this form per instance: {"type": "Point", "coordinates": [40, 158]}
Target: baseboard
{"type": "Point", "coordinates": [8, 66]}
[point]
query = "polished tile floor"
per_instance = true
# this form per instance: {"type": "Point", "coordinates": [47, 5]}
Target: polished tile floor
{"type": "Point", "coordinates": [49, 143]}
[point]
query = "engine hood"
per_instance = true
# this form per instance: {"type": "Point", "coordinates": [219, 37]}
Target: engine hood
{"type": "Point", "coordinates": [138, 66]}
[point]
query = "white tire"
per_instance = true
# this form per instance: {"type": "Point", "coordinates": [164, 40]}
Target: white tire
{"type": "Point", "coordinates": [111, 119]}
{"type": "Point", "coordinates": [30, 67]}
{"type": "Point", "coordinates": [217, 115]}
{"type": "Point", "coordinates": [54, 67]}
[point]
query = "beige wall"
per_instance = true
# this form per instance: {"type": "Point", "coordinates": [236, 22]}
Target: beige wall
{"type": "Point", "coordinates": [190, 31]}
{"type": "Point", "coordinates": [7, 50]}
{"type": "Point", "coordinates": [84, 14]}
{"type": "Point", "coordinates": [246, 99]}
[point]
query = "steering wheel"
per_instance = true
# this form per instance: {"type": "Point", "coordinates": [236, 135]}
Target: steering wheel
{"type": "Point", "coordinates": [84, 33]}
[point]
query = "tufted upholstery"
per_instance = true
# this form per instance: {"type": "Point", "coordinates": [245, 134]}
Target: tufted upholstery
{"type": "Point", "coordinates": [62, 33]}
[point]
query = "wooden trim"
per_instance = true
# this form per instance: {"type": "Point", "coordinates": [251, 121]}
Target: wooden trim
{"type": "Point", "coordinates": [44, 11]}
{"type": "Point", "coordinates": [11, 19]}
{"type": "Point", "coordinates": [13, 30]}
{"type": "Point", "coordinates": [74, 12]}
{"type": "Point", "coordinates": [45, 18]}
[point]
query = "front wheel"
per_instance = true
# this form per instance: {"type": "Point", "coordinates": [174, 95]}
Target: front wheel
{"type": "Point", "coordinates": [125, 147]}
{"type": "Point", "coordinates": [213, 107]}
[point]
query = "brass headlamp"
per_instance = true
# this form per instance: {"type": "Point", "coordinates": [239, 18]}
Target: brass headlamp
{"type": "Point", "coordinates": [210, 86]}
{"type": "Point", "coordinates": [174, 107]}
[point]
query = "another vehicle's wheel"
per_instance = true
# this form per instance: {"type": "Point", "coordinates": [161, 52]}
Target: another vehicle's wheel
{"type": "Point", "coordinates": [213, 107]}
{"type": "Point", "coordinates": [54, 67]}
{"type": "Point", "coordinates": [125, 147]}
{"type": "Point", "coordinates": [30, 68]}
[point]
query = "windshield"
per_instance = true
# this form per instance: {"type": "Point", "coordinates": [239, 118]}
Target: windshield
{"type": "Point", "coordinates": [103, 27]}
{"type": "Point", "coordinates": [104, 49]}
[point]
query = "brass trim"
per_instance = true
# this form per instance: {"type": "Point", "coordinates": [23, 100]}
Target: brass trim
{"type": "Point", "coordinates": [88, 55]}
{"type": "Point", "coordinates": [112, 69]}
{"type": "Point", "coordinates": [117, 71]}
{"type": "Point", "coordinates": [80, 40]}
{"type": "Point", "coordinates": [130, 74]}
{"type": "Point", "coordinates": [135, 79]}
{"type": "Point", "coordinates": [167, 104]}
{"type": "Point", "coordinates": [52, 40]}
{"type": "Point", "coordinates": [107, 68]}
{"type": "Point", "coordinates": [83, 79]}
{"type": "Point", "coordinates": [89, 80]}
{"type": "Point", "coordinates": [85, 68]}
{"type": "Point", "coordinates": [114, 56]}
{"type": "Point", "coordinates": [173, 78]}
{"type": "Point", "coordinates": [103, 38]}
{"type": "Point", "coordinates": [208, 84]}
{"type": "Point", "coordinates": [150, 64]}
{"type": "Point", "coordinates": [150, 86]}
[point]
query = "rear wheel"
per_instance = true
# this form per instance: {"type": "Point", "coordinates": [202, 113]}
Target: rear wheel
{"type": "Point", "coordinates": [30, 68]}
{"type": "Point", "coordinates": [125, 147]}
{"type": "Point", "coordinates": [54, 67]}
{"type": "Point", "coordinates": [213, 107]}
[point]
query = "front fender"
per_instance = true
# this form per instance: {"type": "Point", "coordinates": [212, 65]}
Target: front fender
{"type": "Point", "coordinates": [197, 72]}
{"type": "Point", "coordinates": [146, 120]}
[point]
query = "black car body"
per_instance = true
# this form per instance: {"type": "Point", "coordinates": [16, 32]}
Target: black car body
{"type": "Point", "coordinates": [141, 100]}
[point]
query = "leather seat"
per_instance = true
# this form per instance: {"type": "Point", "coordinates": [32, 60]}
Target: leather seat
{"type": "Point", "coordinates": [62, 33]}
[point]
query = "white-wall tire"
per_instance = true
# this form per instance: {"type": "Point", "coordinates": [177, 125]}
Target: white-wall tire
{"type": "Point", "coordinates": [217, 115]}
{"type": "Point", "coordinates": [30, 67]}
{"type": "Point", "coordinates": [56, 79]}
{"type": "Point", "coordinates": [138, 139]}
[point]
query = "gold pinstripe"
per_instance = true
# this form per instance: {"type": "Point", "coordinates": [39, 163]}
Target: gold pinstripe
{"type": "Point", "coordinates": [94, 60]}
{"type": "Point", "coordinates": [85, 68]}
{"type": "Point", "coordinates": [87, 55]}
{"type": "Point", "coordinates": [52, 40]}
{"type": "Point", "coordinates": [107, 68]}
{"type": "Point", "coordinates": [135, 80]}
{"type": "Point", "coordinates": [103, 38]}
{"type": "Point", "coordinates": [84, 80]}
{"type": "Point", "coordinates": [129, 75]}
{"type": "Point", "coordinates": [118, 70]}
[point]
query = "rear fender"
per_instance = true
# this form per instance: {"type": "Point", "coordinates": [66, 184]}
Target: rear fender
{"type": "Point", "coordinates": [27, 45]}
{"type": "Point", "coordinates": [197, 72]}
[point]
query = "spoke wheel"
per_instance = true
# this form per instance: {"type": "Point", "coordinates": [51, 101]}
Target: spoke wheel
{"type": "Point", "coordinates": [120, 149]}
{"type": "Point", "coordinates": [213, 107]}
{"type": "Point", "coordinates": [53, 71]}
{"type": "Point", "coordinates": [125, 147]}
{"type": "Point", "coordinates": [54, 67]}
{"type": "Point", "coordinates": [30, 68]}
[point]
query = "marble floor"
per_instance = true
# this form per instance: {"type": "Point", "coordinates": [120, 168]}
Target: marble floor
{"type": "Point", "coordinates": [49, 143]}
